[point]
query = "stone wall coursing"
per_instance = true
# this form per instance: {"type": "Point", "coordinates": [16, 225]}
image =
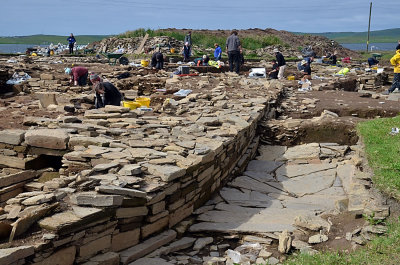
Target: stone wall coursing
{"type": "Point", "coordinates": [121, 187]}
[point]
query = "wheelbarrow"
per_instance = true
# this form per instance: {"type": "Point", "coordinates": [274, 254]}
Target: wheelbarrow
{"type": "Point", "coordinates": [113, 57]}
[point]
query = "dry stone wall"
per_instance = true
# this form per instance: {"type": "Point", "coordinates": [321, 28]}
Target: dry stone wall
{"type": "Point", "coordinates": [126, 177]}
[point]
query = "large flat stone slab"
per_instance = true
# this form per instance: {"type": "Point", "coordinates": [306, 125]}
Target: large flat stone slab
{"type": "Point", "coordinates": [11, 255]}
{"type": "Point", "coordinates": [72, 220]}
{"type": "Point", "coordinates": [292, 171]}
{"type": "Point", "coordinates": [263, 166]}
{"type": "Point", "coordinates": [310, 184]}
{"type": "Point", "coordinates": [47, 138]}
{"type": "Point", "coordinates": [14, 137]}
{"type": "Point", "coordinates": [166, 172]}
{"type": "Point", "coordinates": [252, 184]}
{"type": "Point", "coordinates": [248, 198]}
{"type": "Point", "coordinates": [146, 247]}
{"type": "Point", "coordinates": [305, 151]}
{"type": "Point", "coordinates": [271, 152]}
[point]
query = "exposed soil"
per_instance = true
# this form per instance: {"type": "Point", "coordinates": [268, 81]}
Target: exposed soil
{"type": "Point", "coordinates": [344, 103]}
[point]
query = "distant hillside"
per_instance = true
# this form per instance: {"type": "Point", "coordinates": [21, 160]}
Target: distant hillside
{"type": "Point", "coordinates": [47, 39]}
{"type": "Point", "coordinates": [387, 35]}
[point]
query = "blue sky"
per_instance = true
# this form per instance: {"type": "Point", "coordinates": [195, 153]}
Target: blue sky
{"type": "Point", "coordinates": [61, 17]}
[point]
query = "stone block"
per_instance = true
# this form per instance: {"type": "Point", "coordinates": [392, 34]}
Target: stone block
{"type": "Point", "coordinates": [47, 138]}
{"type": "Point", "coordinates": [125, 240]}
{"type": "Point", "coordinates": [45, 76]}
{"type": "Point", "coordinates": [65, 256]}
{"type": "Point", "coordinates": [154, 227]}
{"type": "Point", "coordinates": [90, 249]}
{"type": "Point", "coordinates": [46, 99]}
{"type": "Point", "coordinates": [109, 258]}
{"type": "Point", "coordinates": [8, 180]}
{"type": "Point", "coordinates": [180, 214]}
{"type": "Point", "coordinates": [12, 161]}
{"type": "Point", "coordinates": [147, 246]}
{"type": "Point", "coordinates": [14, 137]}
{"type": "Point", "coordinates": [157, 207]}
{"type": "Point", "coordinates": [131, 212]}
{"type": "Point", "coordinates": [166, 172]}
{"type": "Point", "coordinates": [97, 200]}
{"type": "Point", "coordinates": [11, 255]}
{"type": "Point", "coordinates": [121, 191]}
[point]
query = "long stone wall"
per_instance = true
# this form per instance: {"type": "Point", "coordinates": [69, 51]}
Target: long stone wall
{"type": "Point", "coordinates": [126, 180]}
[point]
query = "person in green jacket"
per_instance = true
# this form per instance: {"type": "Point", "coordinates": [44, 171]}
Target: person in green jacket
{"type": "Point", "coordinates": [395, 61]}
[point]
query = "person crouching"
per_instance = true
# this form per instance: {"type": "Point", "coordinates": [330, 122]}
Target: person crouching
{"type": "Point", "coordinates": [78, 75]}
{"type": "Point", "coordinates": [106, 93]}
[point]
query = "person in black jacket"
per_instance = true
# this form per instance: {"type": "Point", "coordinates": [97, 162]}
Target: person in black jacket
{"type": "Point", "coordinates": [281, 63]}
{"type": "Point", "coordinates": [157, 61]}
{"type": "Point", "coordinates": [107, 94]}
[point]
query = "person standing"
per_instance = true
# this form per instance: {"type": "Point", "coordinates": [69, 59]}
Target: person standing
{"type": "Point", "coordinates": [217, 52]}
{"type": "Point", "coordinates": [188, 38]}
{"type": "Point", "coordinates": [71, 42]}
{"type": "Point", "coordinates": [186, 52]}
{"type": "Point", "coordinates": [281, 63]}
{"type": "Point", "coordinates": [78, 75]}
{"type": "Point", "coordinates": [395, 61]}
{"type": "Point", "coordinates": [233, 49]}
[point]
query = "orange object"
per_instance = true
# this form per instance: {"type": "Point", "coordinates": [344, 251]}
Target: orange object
{"type": "Point", "coordinates": [198, 63]}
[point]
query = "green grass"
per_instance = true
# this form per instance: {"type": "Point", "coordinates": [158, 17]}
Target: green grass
{"type": "Point", "coordinates": [383, 152]}
{"type": "Point", "coordinates": [208, 40]}
{"type": "Point", "coordinates": [387, 35]}
{"type": "Point", "coordinates": [47, 39]}
{"type": "Point", "coordinates": [384, 250]}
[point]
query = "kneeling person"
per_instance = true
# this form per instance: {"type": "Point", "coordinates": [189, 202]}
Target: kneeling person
{"type": "Point", "coordinates": [107, 94]}
{"type": "Point", "coordinates": [78, 75]}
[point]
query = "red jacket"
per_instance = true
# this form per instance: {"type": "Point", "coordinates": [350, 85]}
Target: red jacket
{"type": "Point", "coordinates": [78, 71]}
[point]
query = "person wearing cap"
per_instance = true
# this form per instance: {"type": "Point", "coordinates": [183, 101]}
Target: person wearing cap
{"type": "Point", "coordinates": [217, 52]}
{"type": "Point", "coordinates": [234, 49]}
{"type": "Point", "coordinates": [78, 75]}
{"type": "Point", "coordinates": [281, 63]}
{"type": "Point", "coordinates": [305, 71]}
{"type": "Point", "coordinates": [105, 92]}
{"type": "Point", "coordinates": [205, 60]}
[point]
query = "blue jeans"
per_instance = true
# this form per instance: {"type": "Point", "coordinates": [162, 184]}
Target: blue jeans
{"type": "Point", "coordinates": [396, 82]}
{"type": "Point", "coordinates": [234, 58]}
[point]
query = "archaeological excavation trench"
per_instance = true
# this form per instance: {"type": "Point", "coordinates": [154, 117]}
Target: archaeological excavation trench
{"type": "Point", "coordinates": [232, 177]}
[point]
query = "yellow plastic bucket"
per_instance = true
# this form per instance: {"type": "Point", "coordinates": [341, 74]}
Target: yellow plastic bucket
{"type": "Point", "coordinates": [172, 50]}
{"type": "Point", "coordinates": [131, 104]}
{"type": "Point", "coordinates": [290, 77]}
{"type": "Point", "coordinates": [144, 102]}
{"type": "Point", "coordinates": [144, 63]}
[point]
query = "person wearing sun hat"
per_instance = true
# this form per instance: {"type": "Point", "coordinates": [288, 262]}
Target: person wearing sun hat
{"type": "Point", "coordinates": [281, 63]}
{"type": "Point", "coordinates": [305, 71]}
{"type": "Point", "coordinates": [78, 75]}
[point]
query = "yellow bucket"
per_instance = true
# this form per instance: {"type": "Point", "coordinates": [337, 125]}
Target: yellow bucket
{"type": "Point", "coordinates": [290, 77]}
{"type": "Point", "coordinates": [144, 63]}
{"type": "Point", "coordinates": [172, 50]}
{"type": "Point", "coordinates": [144, 102]}
{"type": "Point", "coordinates": [131, 104]}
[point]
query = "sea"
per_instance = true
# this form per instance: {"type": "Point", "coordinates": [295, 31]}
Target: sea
{"type": "Point", "coordinates": [21, 48]}
{"type": "Point", "coordinates": [16, 48]}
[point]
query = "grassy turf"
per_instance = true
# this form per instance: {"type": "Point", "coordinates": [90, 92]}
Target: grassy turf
{"type": "Point", "coordinates": [47, 39]}
{"type": "Point", "coordinates": [382, 151]}
{"type": "Point", "coordinates": [208, 40]}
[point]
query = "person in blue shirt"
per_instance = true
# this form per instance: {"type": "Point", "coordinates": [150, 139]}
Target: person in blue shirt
{"type": "Point", "coordinates": [71, 42]}
{"type": "Point", "coordinates": [217, 52]}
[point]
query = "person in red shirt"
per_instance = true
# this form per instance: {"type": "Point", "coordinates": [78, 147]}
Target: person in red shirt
{"type": "Point", "coordinates": [78, 75]}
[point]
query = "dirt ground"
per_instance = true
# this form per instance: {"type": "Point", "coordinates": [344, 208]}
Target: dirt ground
{"type": "Point", "coordinates": [344, 103]}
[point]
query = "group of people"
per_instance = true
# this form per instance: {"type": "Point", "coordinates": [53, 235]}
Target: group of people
{"type": "Point", "coordinates": [105, 92]}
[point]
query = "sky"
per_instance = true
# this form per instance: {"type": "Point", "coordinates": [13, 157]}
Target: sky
{"type": "Point", "coordinates": [103, 17]}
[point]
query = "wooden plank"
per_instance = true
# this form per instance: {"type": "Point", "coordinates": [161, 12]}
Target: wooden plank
{"type": "Point", "coordinates": [139, 50]}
